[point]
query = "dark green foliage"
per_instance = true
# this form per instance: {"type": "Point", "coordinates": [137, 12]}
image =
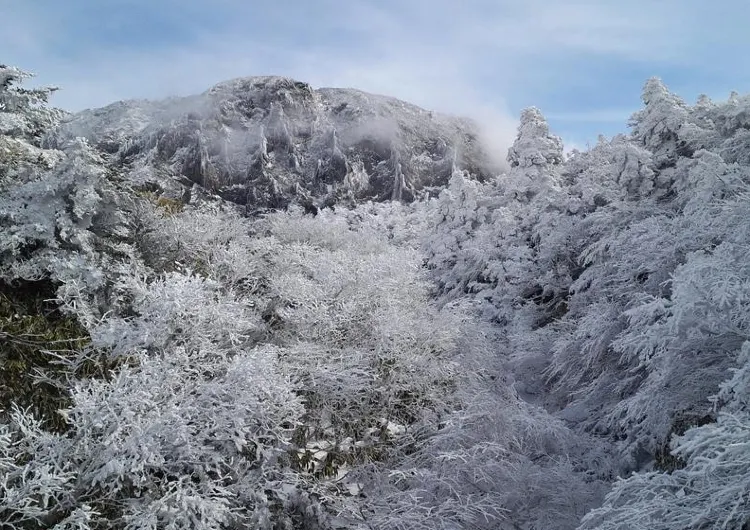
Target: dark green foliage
{"type": "Point", "coordinates": [31, 329]}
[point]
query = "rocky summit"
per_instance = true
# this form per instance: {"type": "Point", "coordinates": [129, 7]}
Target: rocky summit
{"type": "Point", "coordinates": [265, 142]}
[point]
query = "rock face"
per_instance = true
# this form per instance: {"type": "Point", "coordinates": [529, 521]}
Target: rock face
{"type": "Point", "coordinates": [264, 142]}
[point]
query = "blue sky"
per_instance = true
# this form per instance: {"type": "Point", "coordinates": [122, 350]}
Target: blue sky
{"type": "Point", "coordinates": [582, 62]}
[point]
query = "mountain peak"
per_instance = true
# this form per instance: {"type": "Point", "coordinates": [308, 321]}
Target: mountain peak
{"type": "Point", "coordinates": [246, 135]}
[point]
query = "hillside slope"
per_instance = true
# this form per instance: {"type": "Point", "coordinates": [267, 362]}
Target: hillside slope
{"type": "Point", "coordinates": [267, 141]}
{"type": "Point", "coordinates": [563, 346]}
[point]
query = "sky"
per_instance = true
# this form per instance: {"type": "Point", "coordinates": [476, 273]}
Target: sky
{"type": "Point", "coordinates": [582, 62]}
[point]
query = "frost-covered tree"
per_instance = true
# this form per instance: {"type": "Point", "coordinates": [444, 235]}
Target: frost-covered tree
{"type": "Point", "coordinates": [56, 216]}
{"type": "Point", "coordinates": [709, 490]}
{"type": "Point", "coordinates": [58, 213]}
{"type": "Point", "coordinates": [25, 118]}
{"type": "Point", "coordinates": [533, 156]}
{"type": "Point", "coordinates": [24, 112]}
{"type": "Point", "coordinates": [656, 127]}
{"type": "Point", "coordinates": [613, 170]}
{"type": "Point", "coordinates": [616, 282]}
{"type": "Point", "coordinates": [457, 215]}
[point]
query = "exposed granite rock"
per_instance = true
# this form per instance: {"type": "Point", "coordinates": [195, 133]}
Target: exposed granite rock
{"type": "Point", "coordinates": [264, 142]}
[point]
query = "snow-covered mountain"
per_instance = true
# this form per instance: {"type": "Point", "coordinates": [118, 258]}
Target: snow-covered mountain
{"type": "Point", "coordinates": [267, 141]}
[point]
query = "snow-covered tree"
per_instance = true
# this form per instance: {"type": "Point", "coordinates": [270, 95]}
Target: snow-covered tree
{"type": "Point", "coordinates": [613, 170]}
{"type": "Point", "coordinates": [710, 487]}
{"type": "Point", "coordinates": [25, 118]}
{"type": "Point", "coordinates": [534, 156]}
{"type": "Point", "coordinates": [656, 127]}
{"type": "Point", "coordinates": [24, 112]}
{"type": "Point", "coordinates": [457, 215]}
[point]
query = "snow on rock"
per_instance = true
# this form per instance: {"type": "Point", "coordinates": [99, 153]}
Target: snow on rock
{"type": "Point", "coordinates": [264, 142]}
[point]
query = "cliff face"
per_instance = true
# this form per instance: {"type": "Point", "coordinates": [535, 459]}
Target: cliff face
{"type": "Point", "coordinates": [263, 142]}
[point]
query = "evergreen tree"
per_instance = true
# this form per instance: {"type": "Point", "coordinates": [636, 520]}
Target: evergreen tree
{"type": "Point", "coordinates": [534, 156]}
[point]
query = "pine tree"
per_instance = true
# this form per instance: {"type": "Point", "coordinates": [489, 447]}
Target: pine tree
{"type": "Point", "coordinates": [24, 113]}
{"type": "Point", "coordinates": [25, 118]}
{"type": "Point", "coordinates": [656, 127]}
{"type": "Point", "coordinates": [534, 157]}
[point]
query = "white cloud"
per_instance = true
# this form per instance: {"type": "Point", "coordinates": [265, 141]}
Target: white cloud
{"type": "Point", "coordinates": [464, 58]}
